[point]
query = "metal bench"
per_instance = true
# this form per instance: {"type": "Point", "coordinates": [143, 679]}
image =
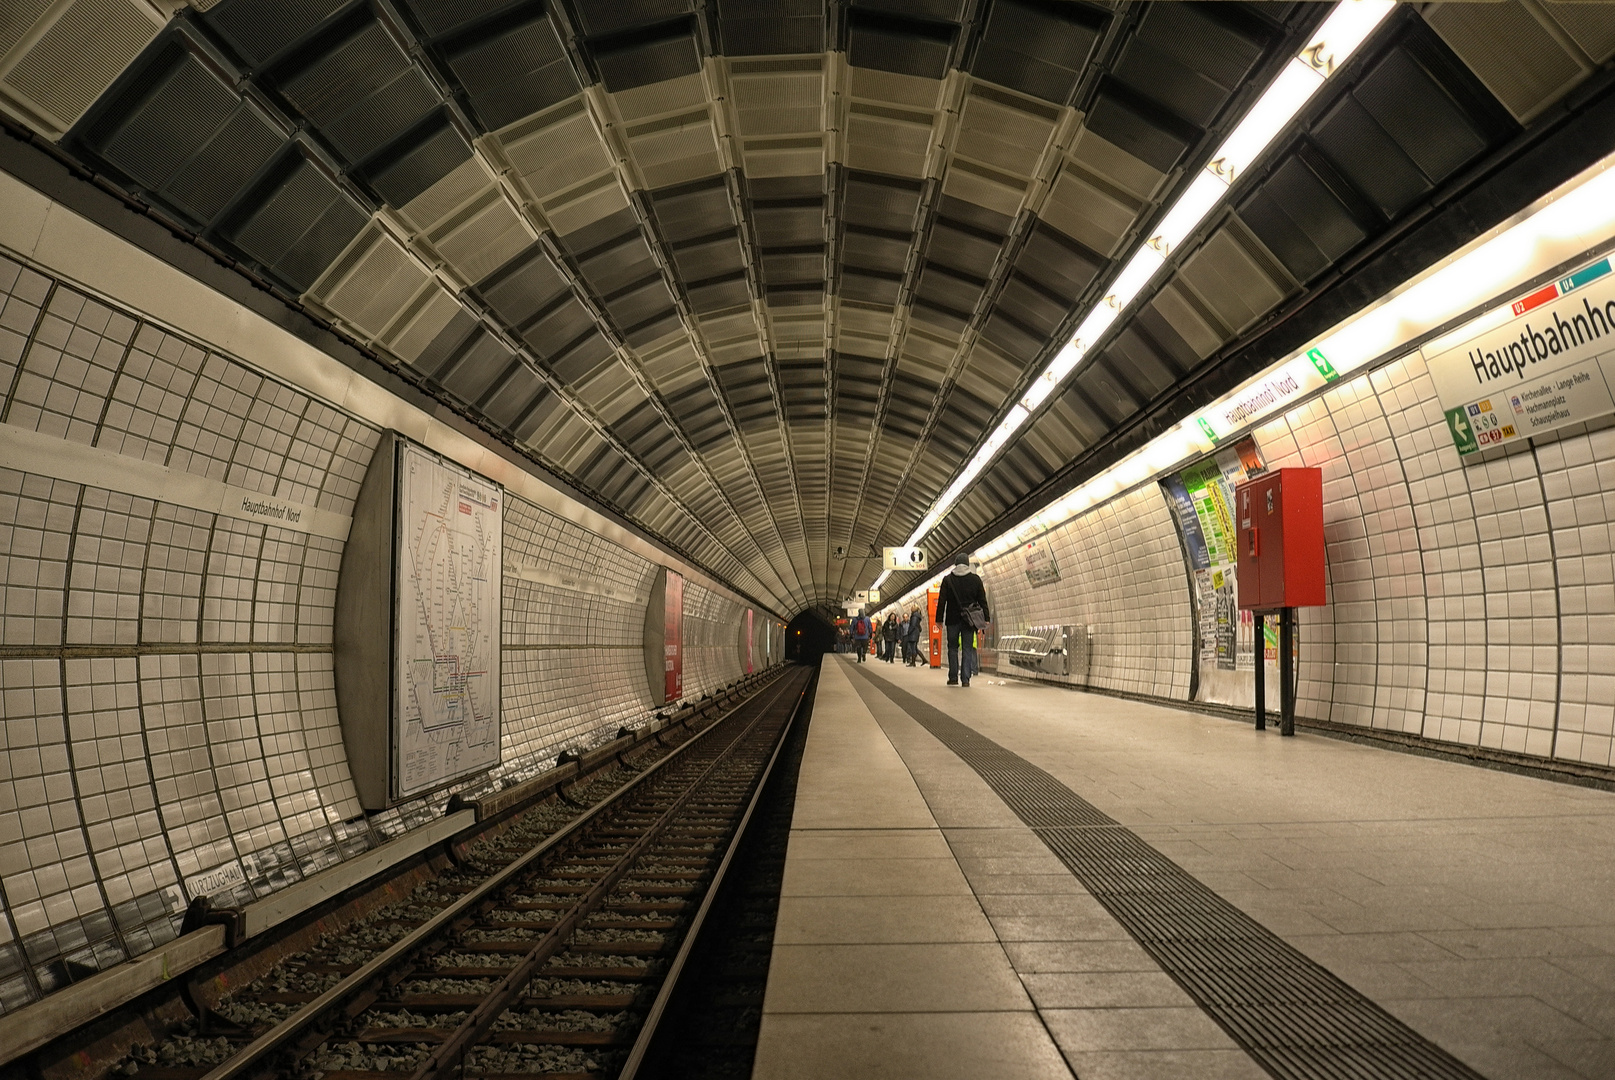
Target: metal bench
{"type": "Point", "coordinates": [1046, 649]}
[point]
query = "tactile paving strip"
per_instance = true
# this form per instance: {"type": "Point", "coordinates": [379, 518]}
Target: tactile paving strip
{"type": "Point", "coordinates": [1291, 1014]}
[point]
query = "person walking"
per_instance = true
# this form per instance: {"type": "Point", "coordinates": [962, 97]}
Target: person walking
{"type": "Point", "coordinates": [891, 635]}
{"type": "Point", "coordinates": [961, 607]}
{"type": "Point", "coordinates": [860, 635]}
{"type": "Point", "coordinates": [911, 636]}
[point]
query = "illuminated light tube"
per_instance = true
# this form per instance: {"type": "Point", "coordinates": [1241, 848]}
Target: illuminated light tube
{"type": "Point", "coordinates": [1190, 210]}
{"type": "Point", "coordinates": [1273, 110]}
{"type": "Point", "coordinates": [1575, 219]}
{"type": "Point", "coordinates": [1144, 264]}
{"type": "Point", "coordinates": [1346, 28]}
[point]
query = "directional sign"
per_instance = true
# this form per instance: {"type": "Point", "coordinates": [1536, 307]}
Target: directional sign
{"type": "Point", "coordinates": [866, 596]}
{"type": "Point", "coordinates": [898, 558]}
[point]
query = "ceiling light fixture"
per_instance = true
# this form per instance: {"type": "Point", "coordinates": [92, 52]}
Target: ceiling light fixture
{"type": "Point", "coordinates": [1577, 218]}
{"type": "Point", "coordinates": [1340, 35]}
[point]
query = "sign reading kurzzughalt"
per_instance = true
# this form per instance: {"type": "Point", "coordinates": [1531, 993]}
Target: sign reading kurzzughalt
{"type": "Point", "coordinates": [1544, 362]}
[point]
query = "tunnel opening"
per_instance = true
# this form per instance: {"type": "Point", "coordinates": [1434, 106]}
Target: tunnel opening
{"type": "Point", "coordinates": [808, 637]}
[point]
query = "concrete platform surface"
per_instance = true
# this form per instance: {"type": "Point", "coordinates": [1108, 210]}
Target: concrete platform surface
{"type": "Point", "coordinates": [925, 931]}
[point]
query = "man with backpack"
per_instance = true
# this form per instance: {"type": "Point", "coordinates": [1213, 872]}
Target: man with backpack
{"type": "Point", "coordinates": [961, 606]}
{"type": "Point", "coordinates": [860, 635]}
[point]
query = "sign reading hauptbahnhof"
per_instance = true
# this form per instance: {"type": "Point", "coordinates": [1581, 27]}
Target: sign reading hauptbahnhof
{"type": "Point", "coordinates": [1542, 362]}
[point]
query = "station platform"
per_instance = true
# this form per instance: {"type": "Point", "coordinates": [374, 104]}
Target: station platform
{"type": "Point", "coordinates": [1020, 880]}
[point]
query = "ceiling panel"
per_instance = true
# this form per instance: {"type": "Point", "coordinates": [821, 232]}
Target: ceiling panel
{"type": "Point", "coordinates": [861, 224]}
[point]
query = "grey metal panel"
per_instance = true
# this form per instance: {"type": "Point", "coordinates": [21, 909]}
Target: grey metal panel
{"type": "Point", "coordinates": [720, 294]}
{"type": "Point", "coordinates": [876, 251]}
{"type": "Point", "coordinates": [964, 248]}
{"type": "Point", "coordinates": [881, 202]}
{"type": "Point", "coordinates": [624, 260]}
{"type": "Point", "coordinates": [298, 224]}
{"type": "Point", "coordinates": [362, 629]}
{"type": "Point", "coordinates": [1191, 57]}
{"type": "Point", "coordinates": [476, 370]}
{"type": "Point", "coordinates": [419, 160]}
{"type": "Point", "coordinates": [523, 287]}
{"type": "Point", "coordinates": [903, 45]}
{"type": "Point", "coordinates": [1145, 130]}
{"type": "Point", "coordinates": [1300, 220]}
{"type": "Point", "coordinates": [710, 257]}
{"type": "Point", "coordinates": [258, 30]}
{"type": "Point", "coordinates": [440, 17]}
{"type": "Point", "coordinates": [1057, 263]}
{"type": "Point", "coordinates": [556, 328]}
{"type": "Point", "coordinates": [582, 358]}
{"type": "Point", "coordinates": [513, 71]}
{"type": "Point", "coordinates": [1408, 102]}
{"type": "Point", "coordinates": [361, 94]}
{"type": "Point", "coordinates": [757, 27]}
{"type": "Point", "coordinates": [1032, 306]}
{"type": "Point", "coordinates": [1037, 48]}
{"type": "Point", "coordinates": [639, 58]}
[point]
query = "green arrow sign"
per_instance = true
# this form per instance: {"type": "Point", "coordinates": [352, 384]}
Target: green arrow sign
{"type": "Point", "coordinates": [1463, 436]}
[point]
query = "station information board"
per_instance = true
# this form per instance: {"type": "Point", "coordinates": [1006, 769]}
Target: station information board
{"type": "Point", "coordinates": [1542, 361]}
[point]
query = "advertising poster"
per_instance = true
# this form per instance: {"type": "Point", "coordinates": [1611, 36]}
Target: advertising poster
{"type": "Point", "coordinates": [1201, 500]}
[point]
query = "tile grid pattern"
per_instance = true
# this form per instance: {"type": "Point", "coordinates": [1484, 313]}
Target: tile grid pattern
{"type": "Point", "coordinates": [1467, 603]}
{"type": "Point", "coordinates": [202, 754]}
{"type": "Point", "coordinates": [1291, 1014]}
{"type": "Point", "coordinates": [1121, 575]}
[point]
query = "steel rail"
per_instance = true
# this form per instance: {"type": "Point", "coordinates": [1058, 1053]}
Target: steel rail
{"type": "Point", "coordinates": [647, 1030]}
{"type": "Point", "coordinates": [450, 1054]}
{"type": "Point", "coordinates": [279, 1037]}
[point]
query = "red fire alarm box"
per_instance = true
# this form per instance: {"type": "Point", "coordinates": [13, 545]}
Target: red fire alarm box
{"type": "Point", "coordinates": [1278, 519]}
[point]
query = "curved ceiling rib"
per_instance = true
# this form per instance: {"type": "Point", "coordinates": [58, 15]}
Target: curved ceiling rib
{"type": "Point", "coordinates": [762, 275]}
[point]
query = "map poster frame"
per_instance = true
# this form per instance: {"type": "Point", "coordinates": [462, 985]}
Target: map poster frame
{"type": "Point", "coordinates": [364, 638]}
{"type": "Point", "coordinates": [448, 584]}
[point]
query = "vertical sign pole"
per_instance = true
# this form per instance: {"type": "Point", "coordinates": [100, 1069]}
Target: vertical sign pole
{"type": "Point", "coordinates": [1260, 621]}
{"type": "Point", "coordinates": [1287, 671]}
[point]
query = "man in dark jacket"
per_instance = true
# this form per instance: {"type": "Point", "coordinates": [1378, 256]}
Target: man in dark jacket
{"type": "Point", "coordinates": [959, 591]}
{"type": "Point", "coordinates": [860, 635]}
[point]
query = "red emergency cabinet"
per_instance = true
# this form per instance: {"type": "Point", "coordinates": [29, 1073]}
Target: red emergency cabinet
{"type": "Point", "coordinates": [1278, 518]}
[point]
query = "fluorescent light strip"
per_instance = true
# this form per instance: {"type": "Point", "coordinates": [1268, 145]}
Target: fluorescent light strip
{"type": "Point", "coordinates": [1577, 218]}
{"type": "Point", "coordinates": [1346, 28]}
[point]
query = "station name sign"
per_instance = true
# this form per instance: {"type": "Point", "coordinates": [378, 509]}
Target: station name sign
{"type": "Point", "coordinates": [1543, 361]}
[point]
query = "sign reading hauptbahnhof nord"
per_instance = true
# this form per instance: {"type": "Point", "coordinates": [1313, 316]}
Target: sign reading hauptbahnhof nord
{"type": "Point", "coordinates": [1542, 362]}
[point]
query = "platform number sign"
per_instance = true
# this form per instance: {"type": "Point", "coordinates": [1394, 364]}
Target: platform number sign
{"type": "Point", "coordinates": [903, 558]}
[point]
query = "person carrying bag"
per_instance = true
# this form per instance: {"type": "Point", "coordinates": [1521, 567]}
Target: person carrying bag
{"type": "Point", "coordinates": [860, 635]}
{"type": "Point", "coordinates": [961, 607]}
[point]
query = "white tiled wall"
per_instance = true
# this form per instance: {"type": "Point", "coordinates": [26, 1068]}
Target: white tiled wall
{"type": "Point", "coordinates": [166, 673]}
{"type": "Point", "coordinates": [1121, 575]}
{"type": "Point", "coordinates": [712, 639]}
{"type": "Point", "coordinates": [1469, 603]}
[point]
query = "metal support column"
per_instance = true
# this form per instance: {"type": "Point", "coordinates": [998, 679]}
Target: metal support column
{"type": "Point", "coordinates": [1261, 670]}
{"type": "Point", "coordinates": [1287, 671]}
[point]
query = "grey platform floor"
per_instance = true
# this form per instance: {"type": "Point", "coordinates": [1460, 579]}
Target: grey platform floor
{"type": "Point", "coordinates": [924, 931]}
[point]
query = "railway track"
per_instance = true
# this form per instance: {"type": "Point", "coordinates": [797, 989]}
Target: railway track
{"type": "Point", "coordinates": [557, 963]}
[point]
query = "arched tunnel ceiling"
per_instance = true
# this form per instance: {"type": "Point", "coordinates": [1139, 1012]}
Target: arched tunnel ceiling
{"type": "Point", "coordinates": [761, 275]}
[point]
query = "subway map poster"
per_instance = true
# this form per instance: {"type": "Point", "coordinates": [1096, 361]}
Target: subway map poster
{"type": "Point", "coordinates": [448, 567]}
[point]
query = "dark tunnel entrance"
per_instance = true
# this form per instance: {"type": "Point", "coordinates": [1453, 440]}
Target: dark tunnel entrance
{"type": "Point", "coordinates": [808, 637]}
